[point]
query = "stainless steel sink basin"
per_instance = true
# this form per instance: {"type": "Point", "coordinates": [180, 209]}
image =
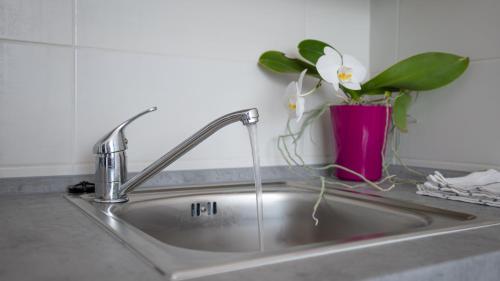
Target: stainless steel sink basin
{"type": "Point", "coordinates": [195, 231]}
{"type": "Point", "coordinates": [287, 220]}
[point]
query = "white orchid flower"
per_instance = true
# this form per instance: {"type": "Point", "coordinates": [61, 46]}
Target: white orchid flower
{"type": "Point", "coordinates": [294, 98]}
{"type": "Point", "coordinates": [346, 70]}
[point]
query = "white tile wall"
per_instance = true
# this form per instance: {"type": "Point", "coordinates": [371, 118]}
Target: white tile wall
{"type": "Point", "coordinates": [347, 28]}
{"type": "Point", "coordinates": [220, 28]}
{"type": "Point", "coordinates": [37, 20]}
{"type": "Point", "coordinates": [195, 60]}
{"type": "Point", "coordinates": [458, 125]}
{"type": "Point", "coordinates": [36, 105]}
{"type": "Point", "coordinates": [199, 56]}
{"type": "Point", "coordinates": [188, 92]}
{"type": "Point", "coordinates": [384, 30]}
{"type": "Point", "coordinates": [458, 26]}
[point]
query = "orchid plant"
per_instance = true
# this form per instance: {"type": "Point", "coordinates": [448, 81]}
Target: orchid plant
{"type": "Point", "coordinates": [393, 86]}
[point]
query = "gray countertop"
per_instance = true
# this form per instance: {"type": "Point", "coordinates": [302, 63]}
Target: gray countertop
{"type": "Point", "coordinates": [45, 237]}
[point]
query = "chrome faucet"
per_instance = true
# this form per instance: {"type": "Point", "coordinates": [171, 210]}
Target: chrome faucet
{"type": "Point", "coordinates": [112, 185]}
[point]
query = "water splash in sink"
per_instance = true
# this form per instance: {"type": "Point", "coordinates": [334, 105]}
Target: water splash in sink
{"type": "Point", "coordinates": [252, 131]}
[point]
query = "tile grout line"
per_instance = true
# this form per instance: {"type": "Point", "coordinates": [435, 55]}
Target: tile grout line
{"type": "Point", "coordinates": [306, 12]}
{"type": "Point", "coordinates": [23, 41]}
{"type": "Point", "coordinates": [447, 165]}
{"type": "Point", "coordinates": [170, 55]}
{"type": "Point", "coordinates": [398, 20]}
{"type": "Point", "coordinates": [369, 66]}
{"type": "Point", "coordinates": [75, 84]}
{"type": "Point", "coordinates": [398, 30]}
{"type": "Point", "coordinates": [126, 51]}
{"type": "Point", "coordinates": [485, 59]}
{"type": "Point", "coordinates": [137, 52]}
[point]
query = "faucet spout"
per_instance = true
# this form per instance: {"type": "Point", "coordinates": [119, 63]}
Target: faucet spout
{"type": "Point", "coordinates": [118, 192]}
{"type": "Point", "coordinates": [247, 117]}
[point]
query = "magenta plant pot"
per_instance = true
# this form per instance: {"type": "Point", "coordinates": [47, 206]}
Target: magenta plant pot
{"type": "Point", "coordinates": [360, 132]}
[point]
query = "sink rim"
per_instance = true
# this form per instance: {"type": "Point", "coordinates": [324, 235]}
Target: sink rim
{"type": "Point", "coordinates": [162, 256]}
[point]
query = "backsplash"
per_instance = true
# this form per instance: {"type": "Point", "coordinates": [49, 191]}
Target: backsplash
{"type": "Point", "coordinates": [457, 126]}
{"type": "Point", "coordinates": [71, 70]}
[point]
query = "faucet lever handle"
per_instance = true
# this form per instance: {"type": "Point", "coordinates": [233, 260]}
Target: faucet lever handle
{"type": "Point", "coordinates": [115, 140]}
{"type": "Point", "coordinates": [131, 119]}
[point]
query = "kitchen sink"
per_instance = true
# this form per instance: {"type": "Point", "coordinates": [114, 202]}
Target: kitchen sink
{"type": "Point", "coordinates": [232, 225]}
{"type": "Point", "coordinates": [194, 231]}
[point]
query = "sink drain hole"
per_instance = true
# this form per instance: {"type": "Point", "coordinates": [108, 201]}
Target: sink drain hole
{"type": "Point", "coordinates": [206, 208]}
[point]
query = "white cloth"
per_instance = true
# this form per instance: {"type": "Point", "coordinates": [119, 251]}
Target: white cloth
{"type": "Point", "coordinates": [477, 187]}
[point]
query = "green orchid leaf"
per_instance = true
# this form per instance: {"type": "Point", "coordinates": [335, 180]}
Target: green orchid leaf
{"type": "Point", "coordinates": [277, 61]}
{"type": "Point", "coordinates": [400, 109]}
{"type": "Point", "coordinates": [311, 49]}
{"type": "Point", "coordinates": [378, 91]}
{"type": "Point", "coordinates": [422, 72]}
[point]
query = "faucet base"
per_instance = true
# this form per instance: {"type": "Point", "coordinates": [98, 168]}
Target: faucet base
{"type": "Point", "coordinates": [118, 200]}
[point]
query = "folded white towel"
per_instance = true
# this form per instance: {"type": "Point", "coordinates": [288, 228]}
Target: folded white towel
{"type": "Point", "coordinates": [471, 180]}
{"type": "Point", "coordinates": [478, 187]}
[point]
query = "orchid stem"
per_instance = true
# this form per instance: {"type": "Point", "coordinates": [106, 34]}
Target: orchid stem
{"type": "Point", "coordinates": [312, 90]}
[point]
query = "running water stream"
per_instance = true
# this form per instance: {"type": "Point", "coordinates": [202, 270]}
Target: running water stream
{"type": "Point", "coordinates": [252, 131]}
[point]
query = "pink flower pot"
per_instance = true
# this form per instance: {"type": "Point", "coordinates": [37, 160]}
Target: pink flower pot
{"type": "Point", "coordinates": [360, 132]}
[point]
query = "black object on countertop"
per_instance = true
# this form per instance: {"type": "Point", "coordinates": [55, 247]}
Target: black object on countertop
{"type": "Point", "coordinates": [82, 187]}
